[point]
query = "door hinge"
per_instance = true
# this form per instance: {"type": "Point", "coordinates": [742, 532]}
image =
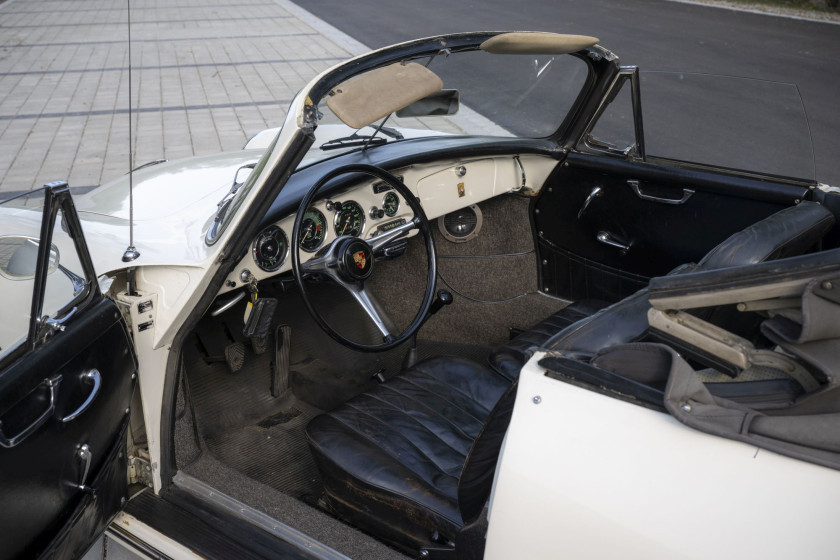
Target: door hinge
{"type": "Point", "coordinates": [139, 471]}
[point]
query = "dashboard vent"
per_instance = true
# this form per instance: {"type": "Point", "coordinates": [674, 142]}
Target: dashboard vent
{"type": "Point", "coordinates": [461, 225]}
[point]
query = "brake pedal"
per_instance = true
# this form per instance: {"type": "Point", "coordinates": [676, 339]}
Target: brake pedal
{"type": "Point", "coordinates": [235, 356]}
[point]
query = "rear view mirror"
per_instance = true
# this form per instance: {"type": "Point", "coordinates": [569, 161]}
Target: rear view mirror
{"type": "Point", "coordinates": [19, 257]}
{"type": "Point", "coordinates": [439, 104]}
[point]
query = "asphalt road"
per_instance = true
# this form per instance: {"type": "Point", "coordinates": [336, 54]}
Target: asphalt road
{"type": "Point", "coordinates": [653, 34]}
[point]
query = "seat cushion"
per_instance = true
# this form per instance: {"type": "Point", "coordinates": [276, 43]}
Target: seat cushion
{"type": "Point", "coordinates": [509, 358]}
{"type": "Point", "coordinates": [391, 458]}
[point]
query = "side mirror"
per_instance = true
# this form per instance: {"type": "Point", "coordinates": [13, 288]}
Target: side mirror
{"type": "Point", "coordinates": [19, 257]}
{"type": "Point", "coordinates": [439, 104]}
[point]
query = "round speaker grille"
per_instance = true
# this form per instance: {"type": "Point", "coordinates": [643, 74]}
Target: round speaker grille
{"type": "Point", "coordinates": [461, 225]}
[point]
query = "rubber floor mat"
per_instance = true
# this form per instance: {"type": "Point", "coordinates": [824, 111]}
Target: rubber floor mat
{"type": "Point", "coordinates": [274, 452]}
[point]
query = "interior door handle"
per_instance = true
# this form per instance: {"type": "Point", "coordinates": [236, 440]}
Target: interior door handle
{"type": "Point", "coordinates": [606, 238]}
{"type": "Point", "coordinates": [91, 377]}
{"type": "Point", "coordinates": [7, 442]}
{"type": "Point", "coordinates": [594, 193]}
{"type": "Point", "coordinates": [637, 188]}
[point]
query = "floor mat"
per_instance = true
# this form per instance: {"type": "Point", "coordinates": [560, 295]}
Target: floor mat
{"type": "Point", "coordinates": [274, 452]}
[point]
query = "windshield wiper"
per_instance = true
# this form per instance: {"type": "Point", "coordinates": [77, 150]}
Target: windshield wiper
{"type": "Point", "coordinates": [224, 205]}
{"type": "Point", "coordinates": [357, 139]}
{"type": "Point", "coordinates": [352, 141]}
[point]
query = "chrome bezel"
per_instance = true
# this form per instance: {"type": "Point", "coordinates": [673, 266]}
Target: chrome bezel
{"type": "Point", "coordinates": [324, 235]}
{"type": "Point", "coordinates": [361, 213]}
{"type": "Point", "coordinates": [285, 253]}
{"type": "Point", "coordinates": [396, 208]}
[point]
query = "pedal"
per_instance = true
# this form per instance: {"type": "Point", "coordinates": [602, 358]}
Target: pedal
{"type": "Point", "coordinates": [280, 371]}
{"type": "Point", "coordinates": [235, 356]}
{"type": "Point", "coordinates": [258, 324]}
{"type": "Point", "coordinates": [259, 345]}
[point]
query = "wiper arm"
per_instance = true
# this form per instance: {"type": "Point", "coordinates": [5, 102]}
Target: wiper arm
{"type": "Point", "coordinates": [388, 131]}
{"type": "Point", "coordinates": [224, 205]}
{"type": "Point", "coordinates": [352, 141]}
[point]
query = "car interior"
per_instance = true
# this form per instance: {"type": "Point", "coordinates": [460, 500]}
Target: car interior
{"type": "Point", "coordinates": [360, 393]}
{"type": "Point", "coordinates": [402, 444]}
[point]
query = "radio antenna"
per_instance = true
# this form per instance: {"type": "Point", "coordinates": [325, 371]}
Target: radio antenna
{"type": "Point", "coordinates": [131, 252]}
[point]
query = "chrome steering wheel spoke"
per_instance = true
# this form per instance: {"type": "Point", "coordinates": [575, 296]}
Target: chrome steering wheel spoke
{"type": "Point", "coordinates": [378, 243]}
{"type": "Point", "coordinates": [349, 261]}
{"type": "Point", "coordinates": [372, 309]}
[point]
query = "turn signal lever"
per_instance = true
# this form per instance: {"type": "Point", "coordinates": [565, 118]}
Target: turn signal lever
{"type": "Point", "coordinates": [443, 298]}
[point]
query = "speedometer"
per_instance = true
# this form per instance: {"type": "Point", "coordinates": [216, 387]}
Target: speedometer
{"type": "Point", "coordinates": [350, 219]}
{"type": "Point", "coordinates": [312, 230]}
{"type": "Point", "coordinates": [270, 248]}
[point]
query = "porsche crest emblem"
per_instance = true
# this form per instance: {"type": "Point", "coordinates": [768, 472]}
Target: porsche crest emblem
{"type": "Point", "coordinates": [360, 259]}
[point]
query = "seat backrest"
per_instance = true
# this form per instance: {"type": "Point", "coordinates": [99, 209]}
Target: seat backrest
{"type": "Point", "coordinates": [786, 233]}
{"type": "Point", "coordinates": [476, 478]}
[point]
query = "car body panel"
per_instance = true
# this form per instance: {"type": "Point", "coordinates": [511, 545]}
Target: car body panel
{"type": "Point", "coordinates": [634, 482]}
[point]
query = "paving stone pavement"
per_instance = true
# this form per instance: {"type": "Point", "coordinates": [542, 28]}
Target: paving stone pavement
{"type": "Point", "coordinates": [206, 76]}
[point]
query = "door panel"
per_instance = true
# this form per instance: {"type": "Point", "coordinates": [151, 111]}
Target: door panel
{"type": "Point", "coordinates": [641, 220]}
{"type": "Point", "coordinates": [64, 398]}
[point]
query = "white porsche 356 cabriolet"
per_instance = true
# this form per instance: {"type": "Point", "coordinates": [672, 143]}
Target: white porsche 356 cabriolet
{"type": "Point", "coordinates": [474, 299]}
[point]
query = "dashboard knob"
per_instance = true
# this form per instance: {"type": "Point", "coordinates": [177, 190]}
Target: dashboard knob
{"type": "Point", "coordinates": [376, 213]}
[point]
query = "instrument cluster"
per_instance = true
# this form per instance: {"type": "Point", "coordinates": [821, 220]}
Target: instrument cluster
{"type": "Point", "coordinates": [360, 212]}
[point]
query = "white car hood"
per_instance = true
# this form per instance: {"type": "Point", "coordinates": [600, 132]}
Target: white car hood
{"type": "Point", "coordinates": [174, 203]}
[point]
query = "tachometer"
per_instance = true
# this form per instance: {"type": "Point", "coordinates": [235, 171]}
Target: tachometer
{"type": "Point", "coordinates": [391, 203]}
{"type": "Point", "coordinates": [312, 230]}
{"type": "Point", "coordinates": [350, 219]}
{"type": "Point", "coordinates": [270, 248]}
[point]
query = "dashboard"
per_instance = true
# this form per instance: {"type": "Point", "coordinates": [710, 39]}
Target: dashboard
{"type": "Point", "coordinates": [372, 207]}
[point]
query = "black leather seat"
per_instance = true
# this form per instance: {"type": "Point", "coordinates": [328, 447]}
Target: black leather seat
{"type": "Point", "coordinates": [509, 358]}
{"type": "Point", "coordinates": [415, 457]}
{"type": "Point", "coordinates": [786, 233]}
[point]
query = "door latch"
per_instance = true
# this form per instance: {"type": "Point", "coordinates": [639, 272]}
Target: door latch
{"type": "Point", "coordinates": [84, 456]}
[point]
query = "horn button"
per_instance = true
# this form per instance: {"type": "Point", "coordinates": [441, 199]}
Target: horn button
{"type": "Point", "coordinates": [356, 260]}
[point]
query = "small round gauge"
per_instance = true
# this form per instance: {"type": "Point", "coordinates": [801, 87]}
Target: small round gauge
{"type": "Point", "coordinates": [391, 203]}
{"type": "Point", "coordinates": [270, 248]}
{"type": "Point", "coordinates": [350, 219]}
{"type": "Point", "coordinates": [312, 230]}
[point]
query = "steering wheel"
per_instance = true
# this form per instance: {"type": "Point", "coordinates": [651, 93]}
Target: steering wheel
{"type": "Point", "coordinates": [349, 261]}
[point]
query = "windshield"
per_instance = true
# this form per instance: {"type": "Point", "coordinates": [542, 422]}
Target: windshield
{"type": "Point", "coordinates": [525, 96]}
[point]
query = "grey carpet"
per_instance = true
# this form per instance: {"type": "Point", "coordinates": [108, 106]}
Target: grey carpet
{"type": "Point", "coordinates": [492, 277]}
{"type": "Point", "coordinates": [292, 512]}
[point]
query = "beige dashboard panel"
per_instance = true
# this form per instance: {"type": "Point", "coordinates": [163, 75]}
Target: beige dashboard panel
{"type": "Point", "coordinates": [473, 181]}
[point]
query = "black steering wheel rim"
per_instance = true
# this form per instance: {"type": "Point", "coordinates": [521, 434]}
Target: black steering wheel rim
{"type": "Point", "coordinates": [421, 222]}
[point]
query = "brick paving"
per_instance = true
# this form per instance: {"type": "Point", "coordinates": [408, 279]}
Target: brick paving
{"type": "Point", "coordinates": [206, 76]}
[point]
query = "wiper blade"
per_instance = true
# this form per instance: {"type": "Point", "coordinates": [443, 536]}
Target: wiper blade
{"type": "Point", "coordinates": [352, 141]}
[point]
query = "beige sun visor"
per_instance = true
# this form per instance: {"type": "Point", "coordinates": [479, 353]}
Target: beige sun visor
{"type": "Point", "coordinates": [372, 96]}
{"type": "Point", "coordinates": [537, 42]}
